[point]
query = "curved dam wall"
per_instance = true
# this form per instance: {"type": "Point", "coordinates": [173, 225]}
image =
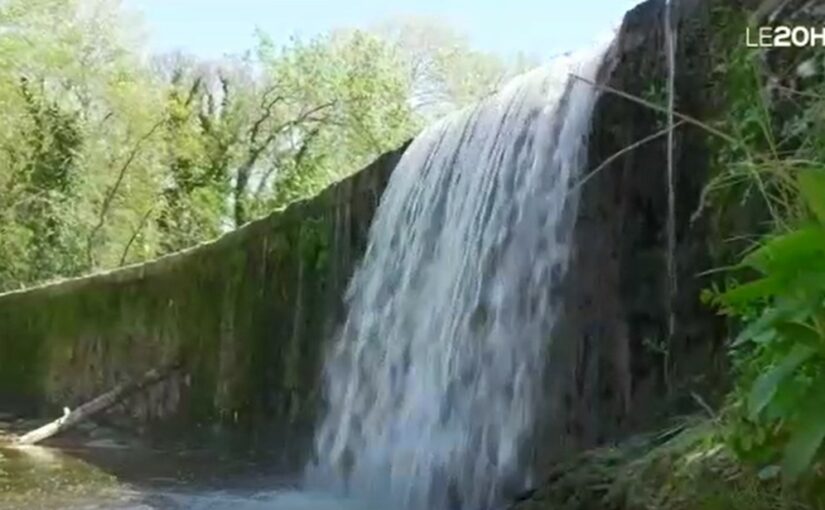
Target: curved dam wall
{"type": "Point", "coordinates": [248, 314]}
{"type": "Point", "coordinates": [244, 315]}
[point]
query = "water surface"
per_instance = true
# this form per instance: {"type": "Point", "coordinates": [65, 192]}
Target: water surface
{"type": "Point", "coordinates": [112, 476]}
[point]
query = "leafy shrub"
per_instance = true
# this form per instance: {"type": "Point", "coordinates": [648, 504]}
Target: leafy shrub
{"type": "Point", "coordinates": [780, 354]}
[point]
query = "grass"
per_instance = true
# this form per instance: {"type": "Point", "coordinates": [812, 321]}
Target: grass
{"type": "Point", "coordinates": [687, 467]}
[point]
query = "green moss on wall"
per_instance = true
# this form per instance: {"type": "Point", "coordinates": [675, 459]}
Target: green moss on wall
{"type": "Point", "coordinates": [246, 315]}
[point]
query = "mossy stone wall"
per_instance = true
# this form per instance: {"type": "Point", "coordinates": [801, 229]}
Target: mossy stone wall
{"type": "Point", "coordinates": [627, 352]}
{"type": "Point", "coordinates": [247, 316]}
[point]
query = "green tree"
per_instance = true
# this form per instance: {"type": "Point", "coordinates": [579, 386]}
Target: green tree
{"type": "Point", "coordinates": [343, 102]}
{"type": "Point", "coordinates": [108, 157]}
{"type": "Point", "coordinates": [444, 72]}
{"type": "Point", "coordinates": [66, 74]}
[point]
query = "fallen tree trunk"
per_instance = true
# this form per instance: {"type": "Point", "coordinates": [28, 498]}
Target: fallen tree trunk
{"type": "Point", "coordinates": [71, 418]}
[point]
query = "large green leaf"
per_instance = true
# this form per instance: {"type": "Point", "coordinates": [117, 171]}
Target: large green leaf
{"type": "Point", "coordinates": [812, 187]}
{"type": "Point", "coordinates": [786, 401]}
{"type": "Point", "coordinates": [785, 311]}
{"type": "Point", "coordinates": [804, 333]}
{"type": "Point", "coordinates": [787, 254]}
{"type": "Point", "coordinates": [764, 388]}
{"type": "Point", "coordinates": [808, 286]}
{"type": "Point", "coordinates": [806, 437]}
{"type": "Point", "coordinates": [753, 291]}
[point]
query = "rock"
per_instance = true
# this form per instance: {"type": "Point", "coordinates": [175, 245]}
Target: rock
{"type": "Point", "coordinates": [606, 375]}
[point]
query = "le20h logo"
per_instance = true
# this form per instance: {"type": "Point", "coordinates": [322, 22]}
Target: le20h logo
{"type": "Point", "coordinates": [785, 37]}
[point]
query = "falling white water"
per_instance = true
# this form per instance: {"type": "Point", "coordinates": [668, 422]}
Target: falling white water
{"type": "Point", "coordinates": [670, 48]}
{"type": "Point", "coordinates": [434, 379]}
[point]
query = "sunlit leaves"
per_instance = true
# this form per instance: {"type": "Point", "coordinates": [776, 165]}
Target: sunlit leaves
{"type": "Point", "coordinates": [362, 93]}
{"type": "Point", "coordinates": [107, 157]}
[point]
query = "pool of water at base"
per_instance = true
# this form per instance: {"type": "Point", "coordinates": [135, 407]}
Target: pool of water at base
{"type": "Point", "coordinates": [216, 500]}
{"type": "Point", "coordinates": [106, 474]}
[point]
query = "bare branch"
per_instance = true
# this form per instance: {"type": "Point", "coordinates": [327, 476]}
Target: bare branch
{"type": "Point", "coordinates": [225, 90]}
{"type": "Point", "coordinates": [264, 97]}
{"type": "Point", "coordinates": [268, 110]}
{"type": "Point", "coordinates": [653, 106]}
{"type": "Point", "coordinates": [105, 119]}
{"type": "Point", "coordinates": [622, 152]}
{"type": "Point", "coordinates": [193, 91]}
{"type": "Point", "coordinates": [300, 154]}
{"type": "Point", "coordinates": [107, 201]}
{"type": "Point", "coordinates": [135, 234]}
{"type": "Point", "coordinates": [255, 152]}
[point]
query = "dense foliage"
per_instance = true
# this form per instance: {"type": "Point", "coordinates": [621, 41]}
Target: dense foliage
{"type": "Point", "coordinates": [110, 156]}
{"type": "Point", "coordinates": [772, 185]}
{"type": "Point", "coordinates": [781, 351]}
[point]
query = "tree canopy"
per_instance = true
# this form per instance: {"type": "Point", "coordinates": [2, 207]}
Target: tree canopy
{"type": "Point", "coordinates": [110, 155]}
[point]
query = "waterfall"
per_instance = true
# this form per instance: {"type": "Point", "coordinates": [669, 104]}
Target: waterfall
{"type": "Point", "coordinates": [670, 49]}
{"type": "Point", "coordinates": [433, 382]}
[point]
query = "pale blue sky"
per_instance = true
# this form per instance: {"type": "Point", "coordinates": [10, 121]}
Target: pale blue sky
{"type": "Point", "coordinates": [541, 28]}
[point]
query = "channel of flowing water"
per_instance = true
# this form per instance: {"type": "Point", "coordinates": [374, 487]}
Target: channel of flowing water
{"type": "Point", "coordinates": [434, 380]}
